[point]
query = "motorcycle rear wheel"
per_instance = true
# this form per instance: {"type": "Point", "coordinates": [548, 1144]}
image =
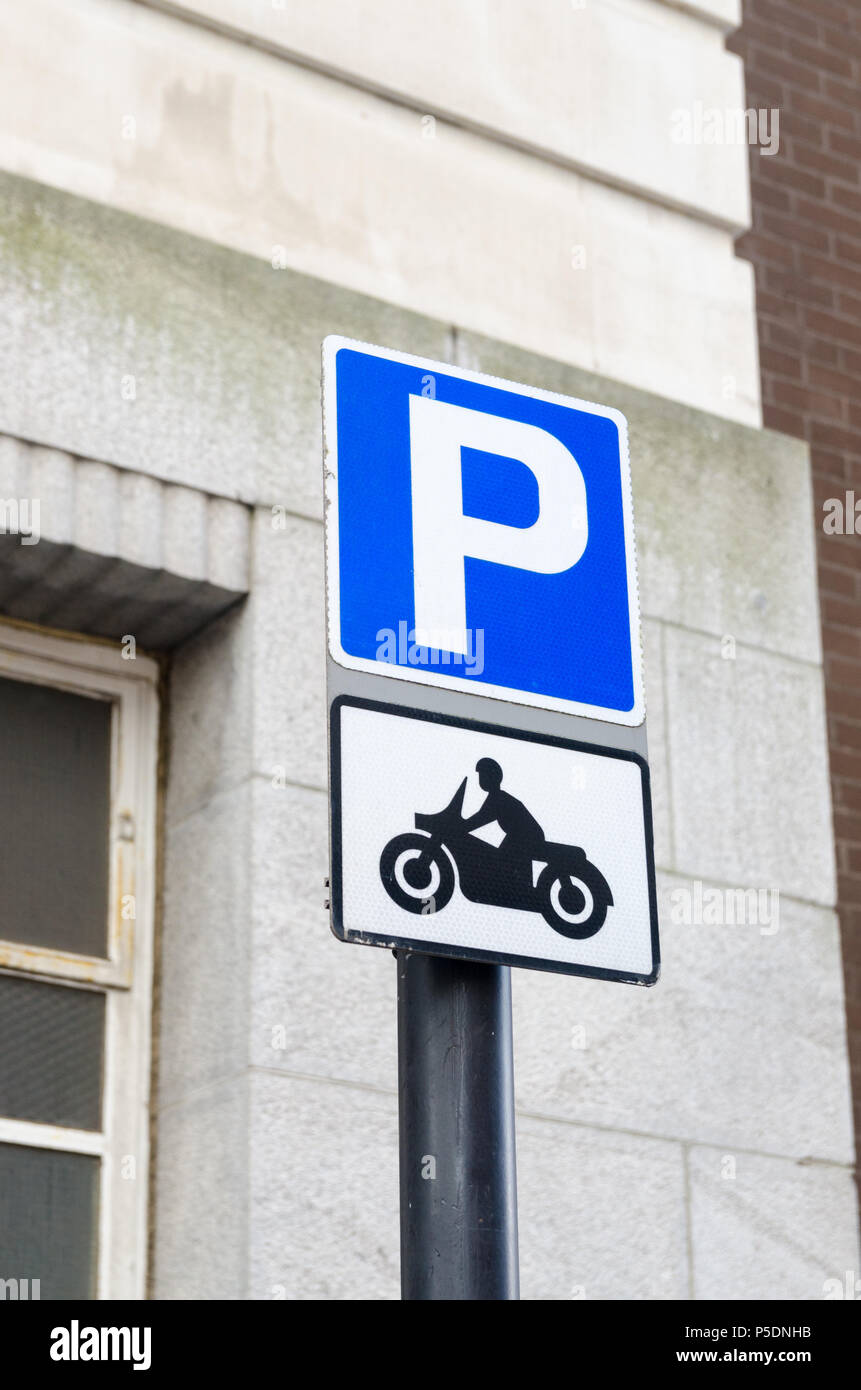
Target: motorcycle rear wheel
{"type": "Point", "coordinates": [416, 876]}
{"type": "Point", "coordinates": [572, 903]}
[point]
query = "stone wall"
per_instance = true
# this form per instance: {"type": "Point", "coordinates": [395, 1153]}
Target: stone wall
{"type": "Point", "coordinates": [691, 1140]}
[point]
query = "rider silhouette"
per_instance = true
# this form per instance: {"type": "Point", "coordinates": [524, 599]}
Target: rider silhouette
{"type": "Point", "coordinates": [524, 838]}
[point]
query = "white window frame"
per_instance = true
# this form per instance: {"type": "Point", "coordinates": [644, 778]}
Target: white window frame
{"type": "Point", "coordinates": [98, 670]}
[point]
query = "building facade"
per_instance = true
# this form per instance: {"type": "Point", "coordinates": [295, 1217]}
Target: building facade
{"type": "Point", "coordinates": [193, 197]}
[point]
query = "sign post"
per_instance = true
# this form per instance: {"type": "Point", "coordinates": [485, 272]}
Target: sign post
{"type": "Point", "coordinates": [489, 788]}
{"type": "Point", "coordinates": [456, 1108]}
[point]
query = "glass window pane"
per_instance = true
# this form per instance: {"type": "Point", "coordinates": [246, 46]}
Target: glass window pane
{"type": "Point", "coordinates": [55, 751]}
{"type": "Point", "coordinates": [51, 1046]}
{"type": "Point", "coordinates": [49, 1205]}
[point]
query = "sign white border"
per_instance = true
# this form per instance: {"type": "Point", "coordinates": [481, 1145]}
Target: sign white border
{"type": "Point", "coordinates": [331, 346]}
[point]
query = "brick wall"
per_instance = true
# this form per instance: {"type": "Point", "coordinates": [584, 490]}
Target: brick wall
{"type": "Point", "coordinates": [804, 58]}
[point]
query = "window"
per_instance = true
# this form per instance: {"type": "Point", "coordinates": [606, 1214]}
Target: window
{"type": "Point", "coordinates": [78, 750]}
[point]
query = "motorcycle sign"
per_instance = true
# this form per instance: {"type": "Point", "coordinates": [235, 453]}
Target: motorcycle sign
{"type": "Point", "coordinates": [418, 871]}
{"type": "Point", "coordinates": [555, 833]}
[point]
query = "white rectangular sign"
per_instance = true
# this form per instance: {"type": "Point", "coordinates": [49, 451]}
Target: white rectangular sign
{"type": "Point", "coordinates": [467, 839]}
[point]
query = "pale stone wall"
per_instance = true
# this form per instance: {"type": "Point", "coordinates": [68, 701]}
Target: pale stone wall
{"type": "Point", "coordinates": [552, 207]}
{"type": "Point", "coordinates": [276, 1166]}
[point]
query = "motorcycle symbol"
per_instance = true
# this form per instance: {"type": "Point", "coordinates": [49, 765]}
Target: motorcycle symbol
{"type": "Point", "coordinates": [418, 869]}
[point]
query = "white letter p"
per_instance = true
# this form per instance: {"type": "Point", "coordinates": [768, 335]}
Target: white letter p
{"type": "Point", "coordinates": [443, 537]}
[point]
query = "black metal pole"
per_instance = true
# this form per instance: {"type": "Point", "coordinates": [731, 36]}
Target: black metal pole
{"type": "Point", "coordinates": [456, 1102]}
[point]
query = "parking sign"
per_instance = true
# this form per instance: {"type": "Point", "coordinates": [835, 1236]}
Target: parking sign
{"type": "Point", "coordinates": [479, 535]}
{"type": "Point", "coordinates": [479, 539]}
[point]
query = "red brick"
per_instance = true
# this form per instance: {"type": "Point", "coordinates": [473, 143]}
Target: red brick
{"type": "Point", "coordinates": [821, 405]}
{"type": "Point", "coordinates": [764, 192]}
{"type": "Point", "coordinates": [831, 271]}
{"type": "Point", "coordinates": [842, 612]}
{"type": "Point", "coordinates": [755, 246]}
{"type": "Point", "coordinates": [846, 734]}
{"type": "Point", "coordinates": [844, 701]}
{"type": "Point", "coordinates": [820, 349]}
{"type": "Point", "coordinates": [832, 466]}
{"type": "Point", "coordinates": [850, 361]}
{"type": "Point", "coordinates": [823, 432]}
{"type": "Point", "coordinates": [824, 163]}
{"type": "Point", "coordinates": [849, 888]}
{"type": "Point", "coordinates": [849, 250]}
{"type": "Point", "coordinates": [794, 126]}
{"type": "Point", "coordinates": [847, 796]}
{"type": "Point", "coordinates": [829, 112]}
{"type": "Point", "coordinates": [807, 79]}
{"type": "Point", "coordinates": [847, 824]}
{"type": "Point", "coordinates": [798, 288]}
{"type": "Point", "coordinates": [757, 30]}
{"type": "Point", "coordinates": [775, 307]}
{"type": "Point", "coordinates": [829, 380]}
{"type": "Point", "coordinates": [818, 404]}
{"type": "Point", "coordinates": [848, 145]}
{"type": "Point", "coordinates": [849, 305]}
{"type": "Point", "coordinates": [789, 176]}
{"type": "Point", "coordinates": [766, 91]}
{"type": "Point", "coordinates": [781, 364]}
{"type": "Point", "coordinates": [826, 11]}
{"type": "Point", "coordinates": [826, 217]}
{"type": "Point", "coordinates": [838, 583]}
{"type": "Point", "coordinates": [838, 329]}
{"type": "Point", "coordinates": [820, 57]}
{"type": "Point", "coordinates": [792, 230]}
{"type": "Point", "coordinates": [783, 16]}
{"type": "Point", "coordinates": [844, 642]}
{"type": "Point", "coordinates": [781, 336]}
{"type": "Point", "coordinates": [843, 672]}
{"type": "Point", "coordinates": [784, 421]}
{"type": "Point", "coordinates": [840, 94]}
{"type": "Point", "coordinates": [824, 491]}
{"type": "Point", "coordinates": [848, 198]}
{"type": "Point", "coordinates": [840, 40]}
{"type": "Point", "coordinates": [832, 117]}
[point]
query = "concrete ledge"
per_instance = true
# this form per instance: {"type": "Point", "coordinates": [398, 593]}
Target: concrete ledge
{"type": "Point", "coordinates": [527, 77]}
{"type": "Point", "coordinates": [101, 550]}
{"type": "Point", "coordinates": [594, 273]}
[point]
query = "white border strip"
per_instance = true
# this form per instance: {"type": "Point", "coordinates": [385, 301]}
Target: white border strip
{"type": "Point", "coordinates": [31, 1135]}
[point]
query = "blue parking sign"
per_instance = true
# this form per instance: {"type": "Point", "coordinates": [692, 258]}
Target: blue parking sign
{"type": "Point", "coordinates": [479, 535]}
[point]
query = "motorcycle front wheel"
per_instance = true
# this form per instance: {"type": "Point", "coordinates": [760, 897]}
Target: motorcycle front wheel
{"type": "Point", "coordinates": [572, 903]}
{"type": "Point", "coordinates": [418, 876]}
